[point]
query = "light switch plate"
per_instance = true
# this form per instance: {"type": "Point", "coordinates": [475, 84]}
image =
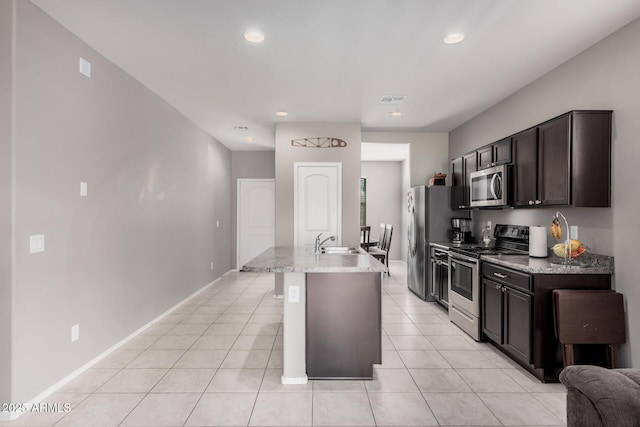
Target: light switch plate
{"type": "Point", "coordinates": [574, 232]}
{"type": "Point", "coordinates": [36, 243]}
{"type": "Point", "coordinates": [85, 67]}
{"type": "Point", "coordinates": [83, 189]}
{"type": "Point", "coordinates": [294, 294]}
{"type": "Point", "coordinates": [217, 223]}
{"type": "Point", "coordinates": [75, 332]}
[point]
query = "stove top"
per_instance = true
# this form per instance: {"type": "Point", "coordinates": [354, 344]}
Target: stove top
{"type": "Point", "coordinates": [509, 240]}
{"type": "Point", "coordinates": [476, 251]}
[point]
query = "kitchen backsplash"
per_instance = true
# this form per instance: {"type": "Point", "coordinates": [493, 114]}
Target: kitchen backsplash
{"type": "Point", "coordinates": [595, 225]}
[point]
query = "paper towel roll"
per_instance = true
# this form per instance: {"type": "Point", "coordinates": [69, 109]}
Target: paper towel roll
{"type": "Point", "coordinates": [538, 241]}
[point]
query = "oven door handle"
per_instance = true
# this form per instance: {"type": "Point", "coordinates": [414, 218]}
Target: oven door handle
{"type": "Point", "coordinates": [472, 264]}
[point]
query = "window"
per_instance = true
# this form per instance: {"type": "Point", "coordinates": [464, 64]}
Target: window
{"type": "Point", "coordinates": [363, 201]}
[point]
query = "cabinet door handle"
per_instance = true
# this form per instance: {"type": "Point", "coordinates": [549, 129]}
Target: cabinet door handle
{"type": "Point", "coordinates": [538, 202]}
{"type": "Point", "coordinates": [500, 275]}
{"type": "Point", "coordinates": [530, 202]}
{"type": "Point", "coordinates": [503, 289]}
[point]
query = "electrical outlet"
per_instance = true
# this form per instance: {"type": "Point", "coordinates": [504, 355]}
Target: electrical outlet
{"type": "Point", "coordinates": [36, 243]}
{"type": "Point", "coordinates": [85, 67]}
{"type": "Point", "coordinates": [574, 232]}
{"type": "Point", "coordinates": [217, 223]}
{"type": "Point", "coordinates": [294, 294]}
{"type": "Point", "coordinates": [83, 189]}
{"type": "Point", "coordinates": [75, 332]}
{"type": "Point", "coordinates": [489, 224]}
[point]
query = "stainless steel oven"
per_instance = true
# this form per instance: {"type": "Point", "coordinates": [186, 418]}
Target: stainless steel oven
{"type": "Point", "coordinates": [464, 275]}
{"type": "Point", "coordinates": [464, 293]}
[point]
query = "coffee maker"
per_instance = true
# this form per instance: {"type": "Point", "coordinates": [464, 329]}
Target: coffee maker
{"type": "Point", "coordinates": [460, 231]}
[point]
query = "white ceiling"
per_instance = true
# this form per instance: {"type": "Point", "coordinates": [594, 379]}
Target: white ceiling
{"type": "Point", "coordinates": [332, 60]}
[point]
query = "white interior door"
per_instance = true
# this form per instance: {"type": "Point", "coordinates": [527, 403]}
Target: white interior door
{"type": "Point", "coordinates": [317, 201]}
{"type": "Point", "coordinates": [256, 218]}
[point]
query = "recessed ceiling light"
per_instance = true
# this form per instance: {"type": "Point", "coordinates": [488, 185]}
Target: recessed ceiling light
{"type": "Point", "coordinates": [395, 114]}
{"type": "Point", "coordinates": [454, 38]}
{"type": "Point", "coordinates": [282, 113]}
{"type": "Point", "coordinates": [254, 36]}
{"type": "Point", "coordinates": [250, 139]}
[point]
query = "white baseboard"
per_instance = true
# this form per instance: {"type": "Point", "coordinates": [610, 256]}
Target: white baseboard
{"type": "Point", "coordinates": [10, 416]}
{"type": "Point", "coordinates": [294, 380]}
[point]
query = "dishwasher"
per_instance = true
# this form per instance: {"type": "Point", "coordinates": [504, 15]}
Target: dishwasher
{"type": "Point", "coordinates": [439, 280]}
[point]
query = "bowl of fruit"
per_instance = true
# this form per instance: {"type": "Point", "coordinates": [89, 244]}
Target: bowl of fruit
{"type": "Point", "coordinates": [570, 248]}
{"type": "Point", "coordinates": [575, 247]}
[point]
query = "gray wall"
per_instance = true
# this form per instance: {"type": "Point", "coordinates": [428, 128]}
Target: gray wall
{"type": "Point", "coordinates": [604, 76]}
{"type": "Point", "coordinates": [349, 156]}
{"type": "Point", "coordinates": [248, 165]}
{"type": "Point", "coordinates": [6, 140]}
{"type": "Point", "coordinates": [428, 152]}
{"type": "Point", "coordinates": [145, 236]}
{"type": "Point", "coordinates": [385, 201]}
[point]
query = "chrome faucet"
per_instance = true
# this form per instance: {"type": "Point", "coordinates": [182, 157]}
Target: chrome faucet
{"type": "Point", "coordinates": [319, 243]}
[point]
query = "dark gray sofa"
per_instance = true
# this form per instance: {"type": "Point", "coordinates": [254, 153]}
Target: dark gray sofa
{"type": "Point", "coordinates": [602, 397]}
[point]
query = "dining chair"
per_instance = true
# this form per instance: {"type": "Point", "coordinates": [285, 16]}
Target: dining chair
{"type": "Point", "coordinates": [365, 237]}
{"type": "Point", "coordinates": [381, 251]}
{"type": "Point", "coordinates": [381, 236]}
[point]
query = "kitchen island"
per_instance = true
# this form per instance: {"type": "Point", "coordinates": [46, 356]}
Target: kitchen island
{"type": "Point", "coordinates": [332, 311]}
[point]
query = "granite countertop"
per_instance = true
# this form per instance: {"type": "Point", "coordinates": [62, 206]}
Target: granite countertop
{"type": "Point", "coordinates": [301, 259]}
{"type": "Point", "coordinates": [586, 264]}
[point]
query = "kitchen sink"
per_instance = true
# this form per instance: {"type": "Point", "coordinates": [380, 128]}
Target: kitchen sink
{"type": "Point", "coordinates": [341, 250]}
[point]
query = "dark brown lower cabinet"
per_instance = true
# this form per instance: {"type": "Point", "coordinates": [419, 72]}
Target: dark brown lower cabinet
{"type": "Point", "coordinates": [492, 305]}
{"type": "Point", "coordinates": [507, 318]}
{"type": "Point", "coordinates": [517, 323]}
{"type": "Point", "coordinates": [517, 314]}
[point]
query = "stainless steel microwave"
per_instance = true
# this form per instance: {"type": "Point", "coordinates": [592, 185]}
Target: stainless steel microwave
{"type": "Point", "coordinates": [490, 187]}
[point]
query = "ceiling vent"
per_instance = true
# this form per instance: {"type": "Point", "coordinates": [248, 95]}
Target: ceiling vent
{"type": "Point", "coordinates": [241, 128]}
{"type": "Point", "coordinates": [392, 99]}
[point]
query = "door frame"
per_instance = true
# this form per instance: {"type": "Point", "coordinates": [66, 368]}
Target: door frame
{"type": "Point", "coordinates": [239, 181]}
{"type": "Point", "coordinates": [296, 166]}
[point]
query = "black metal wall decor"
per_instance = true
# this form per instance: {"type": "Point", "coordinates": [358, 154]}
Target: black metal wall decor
{"type": "Point", "coordinates": [319, 142]}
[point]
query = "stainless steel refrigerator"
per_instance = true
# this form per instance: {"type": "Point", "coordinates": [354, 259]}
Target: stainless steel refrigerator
{"type": "Point", "coordinates": [429, 220]}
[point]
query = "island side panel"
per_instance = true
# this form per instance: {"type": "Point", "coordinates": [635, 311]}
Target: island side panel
{"type": "Point", "coordinates": [294, 370]}
{"type": "Point", "coordinates": [343, 325]}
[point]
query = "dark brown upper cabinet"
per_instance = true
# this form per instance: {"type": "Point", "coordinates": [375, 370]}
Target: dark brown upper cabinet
{"type": "Point", "coordinates": [461, 169]}
{"type": "Point", "coordinates": [498, 153]}
{"type": "Point", "coordinates": [525, 171]}
{"type": "Point", "coordinates": [565, 161]}
{"type": "Point", "coordinates": [554, 166]}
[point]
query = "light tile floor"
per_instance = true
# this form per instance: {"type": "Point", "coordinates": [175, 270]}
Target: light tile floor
{"type": "Point", "coordinates": [217, 359]}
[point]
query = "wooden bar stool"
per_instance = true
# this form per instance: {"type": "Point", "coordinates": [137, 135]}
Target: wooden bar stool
{"type": "Point", "coordinates": [588, 317]}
